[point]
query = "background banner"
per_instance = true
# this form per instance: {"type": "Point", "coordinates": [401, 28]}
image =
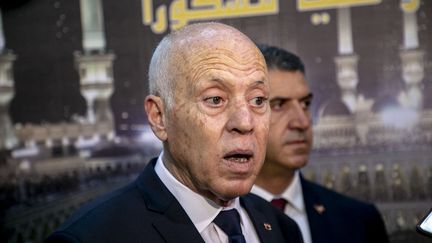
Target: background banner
{"type": "Point", "coordinates": [73, 77]}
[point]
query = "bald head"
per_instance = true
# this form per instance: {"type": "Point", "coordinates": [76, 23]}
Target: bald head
{"type": "Point", "coordinates": [176, 55]}
{"type": "Point", "coordinates": [209, 106]}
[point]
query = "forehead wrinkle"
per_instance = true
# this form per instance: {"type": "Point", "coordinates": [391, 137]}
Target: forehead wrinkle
{"type": "Point", "coordinates": [200, 72]}
{"type": "Point", "coordinates": [227, 56]}
{"type": "Point", "coordinates": [218, 61]}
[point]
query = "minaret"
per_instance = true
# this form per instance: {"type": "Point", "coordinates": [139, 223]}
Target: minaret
{"type": "Point", "coordinates": [346, 62]}
{"type": "Point", "coordinates": [95, 64]}
{"type": "Point", "coordinates": [411, 58]}
{"type": "Point", "coordinates": [347, 75]}
{"type": "Point", "coordinates": [7, 133]}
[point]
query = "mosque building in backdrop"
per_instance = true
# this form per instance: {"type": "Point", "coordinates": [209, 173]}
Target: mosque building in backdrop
{"type": "Point", "coordinates": [376, 148]}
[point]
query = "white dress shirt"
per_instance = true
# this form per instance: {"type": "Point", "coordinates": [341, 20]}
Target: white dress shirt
{"type": "Point", "coordinates": [203, 211]}
{"type": "Point", "coordinates": [295, 208]}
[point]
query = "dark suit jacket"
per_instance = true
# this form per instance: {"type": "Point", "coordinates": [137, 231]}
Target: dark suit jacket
{"type": "Point", "coordinates": [145, 211]}
{"type": "Point", "coordinates": [343, 219]}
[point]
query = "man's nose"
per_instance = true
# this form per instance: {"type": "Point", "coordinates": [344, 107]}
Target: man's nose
{"type": "Point", "coordinates": [299, 117]}
{"type": "Point", "coordinates": [241, 119]}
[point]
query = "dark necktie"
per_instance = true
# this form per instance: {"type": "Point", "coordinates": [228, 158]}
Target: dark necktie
{"type": "Point", "coordinates": [229, 222]}
{"type": "Point", "coordinates": [279, 203]}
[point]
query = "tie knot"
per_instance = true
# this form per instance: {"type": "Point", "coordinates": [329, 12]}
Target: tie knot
{"type": "Point", "coordinates": [229, 222]}
{"type": "Point", "coordinates": [279, 203]}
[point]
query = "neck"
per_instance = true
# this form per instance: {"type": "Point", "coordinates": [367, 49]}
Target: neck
{"type": "Point", "coordinates": [186, 180]}
{"type": "Point", "coordinates": [275, 180]}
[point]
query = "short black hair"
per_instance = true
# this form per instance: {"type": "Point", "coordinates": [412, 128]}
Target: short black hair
{"type": "Point", "coordinates": [278, 58]}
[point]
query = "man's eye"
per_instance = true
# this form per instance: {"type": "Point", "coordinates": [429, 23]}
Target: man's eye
{"type": "Point", "coordinates": [215, 100]}
{"type": "Point", "coordinates": [258, 101]}
{"type": "Point", "coordinates": [306, 104]}
{"type": "Point", "coordinates": [277, 105]}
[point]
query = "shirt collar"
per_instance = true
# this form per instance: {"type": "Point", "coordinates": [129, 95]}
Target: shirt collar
{"type": "Point", "coordinates": [293, 193]}
{"type": "Point", "coordinates": [200, 210]}
{"type": "Point", "coordinates": [262, 193]}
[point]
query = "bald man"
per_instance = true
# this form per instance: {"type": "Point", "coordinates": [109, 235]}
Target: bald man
{"type": "Point", "coordinates": [208, 104]}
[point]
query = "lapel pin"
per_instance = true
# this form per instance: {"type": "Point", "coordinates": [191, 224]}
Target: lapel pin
{"type": "Point", "coordinates": [319, 208]}
{"type": "Point", "coordinates": [267, 226]}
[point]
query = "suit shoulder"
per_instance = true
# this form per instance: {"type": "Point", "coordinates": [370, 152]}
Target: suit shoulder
{"type": "Point", "coordinates": [105, 212]}
{"type": "Point", "coordinates": [335, 197]}
{"type": "Point", "coordinates": [347, 213]}
{"type": "Point", "coordinates": [256, 199]}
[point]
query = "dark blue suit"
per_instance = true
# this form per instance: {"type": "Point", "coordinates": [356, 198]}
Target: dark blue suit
{"type": "Point", "coordinates": [145, 211]}
{"type": "Point", "coordinates": [343, 219]}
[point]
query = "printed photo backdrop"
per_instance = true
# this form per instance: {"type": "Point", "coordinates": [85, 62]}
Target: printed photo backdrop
{"type": "Point", "coordinates": [73, 77]}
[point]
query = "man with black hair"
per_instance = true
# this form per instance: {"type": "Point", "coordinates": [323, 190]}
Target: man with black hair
{"type": "Point", "coordinates": [322, 214]}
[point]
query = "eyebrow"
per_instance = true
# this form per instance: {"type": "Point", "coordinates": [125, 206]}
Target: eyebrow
{"type": "Point", "coordinates": [258, 83]}
{"type": "Point", "coordinates": [213, 80]}
{"type": "Point", "coordinates": [306, 97]}
{"type": "Point", "coordinates": [221, 82]}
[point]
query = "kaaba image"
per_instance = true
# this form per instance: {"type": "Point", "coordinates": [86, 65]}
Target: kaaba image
{"type": "Point", "coordinates": [73, 78]}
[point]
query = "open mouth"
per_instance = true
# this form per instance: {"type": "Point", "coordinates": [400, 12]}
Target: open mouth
{"type": "Point", "coordinates": [239, 156]}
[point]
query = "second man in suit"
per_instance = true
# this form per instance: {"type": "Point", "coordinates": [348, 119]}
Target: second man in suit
{"type": "Point", "coordinates": [323, 215]}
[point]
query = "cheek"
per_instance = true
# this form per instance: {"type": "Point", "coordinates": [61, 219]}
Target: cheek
{"type": "Point", "coordinates": [267, 128]}
{"type": "Point", "coordinates": [273, 141]}
{"type": "Point", "coordinates": [197, 134]}
{"type": "Point", "coordinates": [263, 139]}
{"type": "Point", "coordinates": [276, 130]}
{"type": "Point", "coordinates": [264, 131]}
{"type": "Point", "coordinates": [310, 134]}
{"type": "Point", "coordinates": [181, 131]}
{"type": "Point", "coordinates": [265, 119]}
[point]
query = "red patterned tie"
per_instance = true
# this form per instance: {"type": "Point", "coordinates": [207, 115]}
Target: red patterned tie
{"type": "Point", "coordinates": [279, 203]}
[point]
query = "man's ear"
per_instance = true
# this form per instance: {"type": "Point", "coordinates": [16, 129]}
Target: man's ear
{"type": "Point", "coordinates": [154, 107]}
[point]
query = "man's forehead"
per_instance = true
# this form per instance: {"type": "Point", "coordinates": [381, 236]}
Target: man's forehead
{"type": "Point", "coordinates": [287, 82]}
{"type": "Point", "coordinates": [210, 46]}
{"type": "Point", "coordinates": [205, 31]}
{"type": "Point", "coordinates": [191, 52]}
{"type": "Point", "coordinates": [287, 76]}
{"type": "Point", "coordinates": [208, 35]}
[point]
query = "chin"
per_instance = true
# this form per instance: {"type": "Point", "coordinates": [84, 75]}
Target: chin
{"type": "Point", "coordinates": [297, 160]}
{"type": "Point", "coordinates": [236, 189]}
{"type": "Point", "coordinates": [298, 164]}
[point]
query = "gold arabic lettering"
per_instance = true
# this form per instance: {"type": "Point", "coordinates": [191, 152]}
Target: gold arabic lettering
{"type": "Point", "coordinates": [307, 5]}
{"type": "Point", "coordinates": [410, 6]}
{"type": "Point", "coordinates": [179, 15]}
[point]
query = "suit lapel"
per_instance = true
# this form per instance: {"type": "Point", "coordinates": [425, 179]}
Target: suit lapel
{"type": "Point", "coordinates": [317, 214]}
{"type": "Point", "coordinates": [261, 224]}
{"type": "Point", "coordinates": [177, 231]}
{"type": "Point", "coordinates": [174, 225]}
